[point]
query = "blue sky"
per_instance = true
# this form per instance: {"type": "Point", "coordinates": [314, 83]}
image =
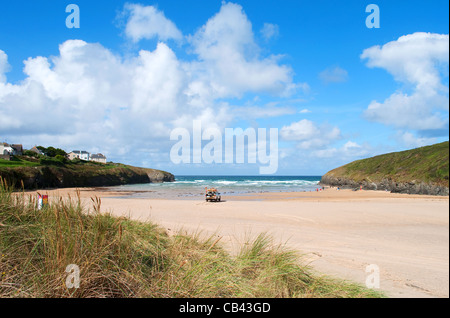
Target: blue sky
{"type": "Point", "coordinates": [336, 90]}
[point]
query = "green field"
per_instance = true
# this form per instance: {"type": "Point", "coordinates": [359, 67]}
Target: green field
{"type": "Point", "coordinates": [17, 162]}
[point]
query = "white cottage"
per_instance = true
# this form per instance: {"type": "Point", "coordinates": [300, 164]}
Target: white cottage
{"type": "Point", "coordinates": [80, 154]}
{"type": "Point", "coordinates": [6, 149]}
{"type": "Point", "coordinates": [98, 158]}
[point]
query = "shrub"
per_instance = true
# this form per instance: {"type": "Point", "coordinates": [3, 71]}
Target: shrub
{"type": "Point", "coordinates": [51, 162]}
{"type": "Point", "coordinates": [52, 151]}
{"type": "Point", "coordinates": [30, 153]}
{"type": "Point", "coordinates": [61, 158]}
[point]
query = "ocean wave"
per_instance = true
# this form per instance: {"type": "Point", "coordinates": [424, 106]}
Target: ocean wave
{"type": "Point", "coordinates": [196, 185]}
{"type": "Point", "coordinates": [225, 182]}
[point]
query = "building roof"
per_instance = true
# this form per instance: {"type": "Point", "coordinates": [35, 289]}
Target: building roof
{"type": "Point", "coordinates": [35, 149]}
{"type": "Point", "coordinates": [98, 156]}
{"type": "Point", "coordinates": [80, 152]}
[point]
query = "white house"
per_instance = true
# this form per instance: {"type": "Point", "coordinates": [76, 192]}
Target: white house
{"type": "Point", "coordinates": [98, 158]}
{"type": "Point", "coordinates": [6, 149]}
{"type": "Point", "coordinates": [80, 154]}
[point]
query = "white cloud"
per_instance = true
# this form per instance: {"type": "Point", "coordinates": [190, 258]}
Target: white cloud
{"type": "Point", "coordinates": [409, 140]}
{"type": "Point", "coordinates": [418, 111]}
{"type": "Point", "coordinates": [4, 66]}
{"type": "Point", "coordinates": [349, 151]}
{"type": "Point", "coordinates": [91, 98]}
{"type": "Point", "coordinates": [88, 97]}
{"type": "Point", "coordinates": [304, 111]}
{"type": "Point", "coordinates": [334, 75]}
{"type": "Point", "coordinates": [419, 60]}
{"type": "Point", "coordinates": [230, 62]}
{"type": "Point", "coordinates": [261, 112]}
{"type": "Point", "coordinates": [308, 135]}
{"type": "Point", "coordinates": [302, 130]}
{"type": "Point", "coordinates": [269, 31]}
{"type": "Point", "coordinates": [412, 58]}
{"type": "Point", "coordinates": [147, 22]}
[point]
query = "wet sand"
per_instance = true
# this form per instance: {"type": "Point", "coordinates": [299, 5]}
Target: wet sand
{"type": "Point", "coordinates": [340, 232]}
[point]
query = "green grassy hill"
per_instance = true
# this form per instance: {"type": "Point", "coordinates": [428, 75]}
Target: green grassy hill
{"type": "Point", "coordinates": [47, 172]}
{"type": "Point", "coordinates": [420, 170]}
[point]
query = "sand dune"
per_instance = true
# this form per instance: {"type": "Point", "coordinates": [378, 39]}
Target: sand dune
{"type": "Point", "coordinates": [340, 232]}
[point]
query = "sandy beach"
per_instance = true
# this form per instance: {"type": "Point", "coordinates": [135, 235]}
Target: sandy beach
{"type": "Point", "coordinates": [340, 232]}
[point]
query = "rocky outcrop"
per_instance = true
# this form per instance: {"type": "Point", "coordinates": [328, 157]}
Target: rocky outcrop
{"type": "Point", "coordinates": [155, 176]}
{"type": "Point", "coordinates": [412, 187]}
{"type": "Point", "coordinates": [65, 177]}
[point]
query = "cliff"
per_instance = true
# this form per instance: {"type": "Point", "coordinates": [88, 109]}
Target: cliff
{"type": "Point", "coordinates": [422, 170]}
{"type": "Point", "coordinates": [84, 174]}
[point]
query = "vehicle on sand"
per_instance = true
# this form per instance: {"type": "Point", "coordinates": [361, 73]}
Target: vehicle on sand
{"type": "Point", "coordinates": [212, 195]}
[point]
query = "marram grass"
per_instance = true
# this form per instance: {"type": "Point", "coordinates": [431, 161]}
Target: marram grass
{"type": "Point", "coordinates": [118, 257]}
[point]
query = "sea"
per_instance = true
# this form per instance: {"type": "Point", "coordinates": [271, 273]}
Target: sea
{"type": "Point", "coordinates": [193, 187]}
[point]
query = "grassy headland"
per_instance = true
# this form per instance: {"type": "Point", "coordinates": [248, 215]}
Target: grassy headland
{"type": "Point", "coordinates": [118, 257]}
{"type": "Point", "coordinates": [47, 172]}
{"type": "Point", "coordinates": [421, 170]}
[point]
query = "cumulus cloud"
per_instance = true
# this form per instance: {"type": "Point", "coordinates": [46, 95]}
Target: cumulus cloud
{"type": "Point", "coordinates": [126, 105]}
{"type": "Point", "coordinates": [409, 140]}
{"type": "Point", "coordinates": [334, 75]}
{"type": "Point", "coordinates": [308, 135]}
{"type": "Point", "coordinates": [230, 60]}
{"type": "Point", "coordinates": [147, 22]}
{"type": "Point", "coordinates": [4, 66]}
{"type": "Point", "coordinates": [262, 111]}
{"type": "Point", "coordinates": [349, 150]}
{"type": "Point", "coordinates": [88, 91]}
{"type": "Point", "coordinates": [419, 61]}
